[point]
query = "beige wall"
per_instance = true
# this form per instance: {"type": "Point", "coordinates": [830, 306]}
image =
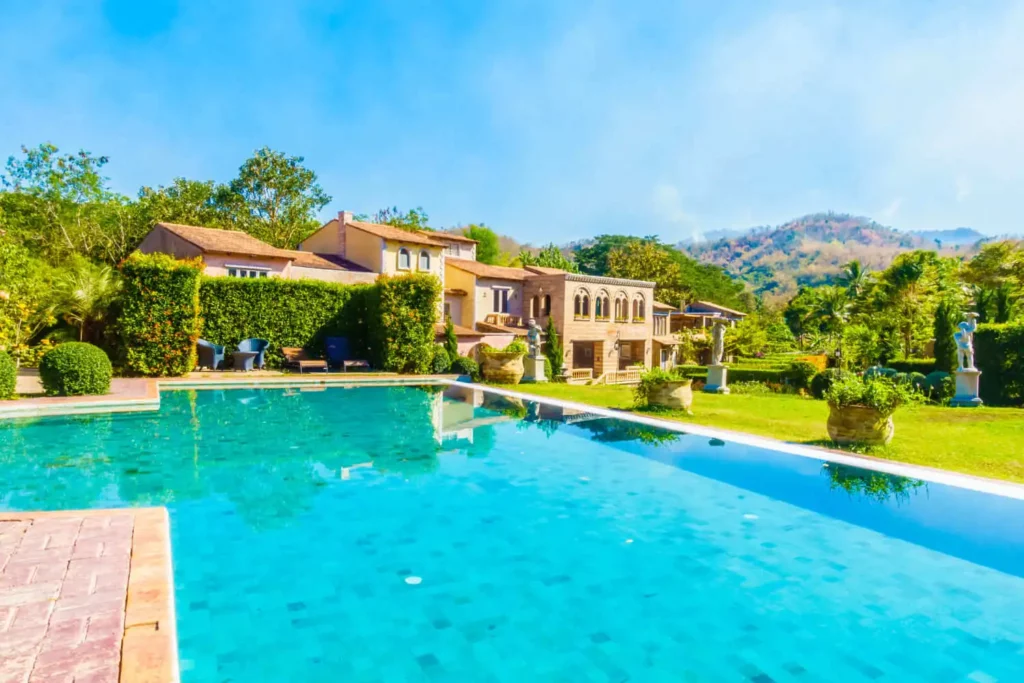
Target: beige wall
{"type": "Point", "coordinates": [345, 277]}
{"type": "Point", "coordinates": [390, 256]}
{"type": "Point", "coordinates": [217, 264]}
{"type": "Point", "coordinates": [364, 249]}
{"type": "Point", "coordinates": [484, 297]}
{"type": "Point", "coordinates": [456, 278]}
{"type": "Point", "coordinates": [326, 240]}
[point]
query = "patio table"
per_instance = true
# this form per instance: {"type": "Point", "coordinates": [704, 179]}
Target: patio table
{"type": "Point", "coordinates": [243, 359]}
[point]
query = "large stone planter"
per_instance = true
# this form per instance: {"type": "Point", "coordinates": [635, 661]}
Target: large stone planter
{"type": "Point", "coordinates": [677, 395]}
{"type": "Point", "coordinates": [859, 425]}
{"type": "Point", "coordinates": [502, 368]}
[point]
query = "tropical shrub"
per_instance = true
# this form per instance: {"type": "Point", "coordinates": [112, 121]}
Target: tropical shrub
{"type": "Point", "coordinates": [299, 313]}
{"type": "Point", "coordinates": [517, 346]}
{"type": "Point", "coordinates": [821, 382]}
{"type": "Point", "coordinates": [441, 362]}
{"type": "Point", "coordinates": [466, 366]}
{"type": "Point", "coordinates": [8, 376]}
{"type": "Point", "coordinates": [75, 369]}
{"type": "Point", "coordinates": [159, 321]}
{"type": "Point", "coordinates": [999, 354]}
{"type": "Point", "coordinates": [800, 373]}
{"type": "Point", "coordinates": [879, 393]}
{"type": "Point", "coordinates": [402, 314]}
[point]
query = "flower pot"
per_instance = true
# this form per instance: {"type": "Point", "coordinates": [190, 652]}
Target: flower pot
{"type": "Point", "coordinates": [859, 425]}
{"type": "Point", "coordinates": [502, 368]}
{"type": "Point", "coordinates": [677, 395]}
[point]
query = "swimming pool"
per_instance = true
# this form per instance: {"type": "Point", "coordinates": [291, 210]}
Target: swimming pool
{"type": "Point", "coordinates": [415, 534]}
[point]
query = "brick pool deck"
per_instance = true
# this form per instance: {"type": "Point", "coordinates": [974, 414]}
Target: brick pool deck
{"type": "Point", "coordinates": [87, 596]}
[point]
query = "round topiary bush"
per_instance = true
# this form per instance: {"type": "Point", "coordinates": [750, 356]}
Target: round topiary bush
{"type": "Point", "coordinates": [465, 366]}
{"type": "Point", "coordinates": [800, 373]}
{"type": "Point", "coordinates": [939, 386]}
{"type": "Point", "coordinates": [75, 369]}
{"type": "Point", "coordinates": [8, 376]}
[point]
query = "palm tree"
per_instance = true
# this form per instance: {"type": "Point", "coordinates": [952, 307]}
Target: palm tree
{"type": "Point", "coordinates": [831, 311]}
{"type": "Point", "coordinates": [904, 282]}
{"type": "Point", "coordinates": [84, 292]}
{"type": "Point", "coordinates": [854, 277]}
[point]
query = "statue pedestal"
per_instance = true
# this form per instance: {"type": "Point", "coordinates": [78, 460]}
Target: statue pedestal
{"type": "Point", "coordinates": [967, 389]}
{"type": "Point", "coordinates": [534, 369]}
{"type": "Point", "coordinates": [717, 380]}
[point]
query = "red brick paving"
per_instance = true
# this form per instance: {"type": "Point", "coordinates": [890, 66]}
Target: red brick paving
{"type": "Point", "coordinates": [70, 583]}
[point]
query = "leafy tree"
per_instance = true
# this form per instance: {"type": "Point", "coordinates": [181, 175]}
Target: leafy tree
{"type": "Point", "coordinates": [25, 307]}
{"type": "Point", "coordinates": [997, 275]}
{"type": "Point", "coordinates": [947, 316]}
{"type": "Point", "coordinates": [84, 292]}
{"type": "Point", "coordinates": [413, 219]}
{"type": "Point", "coordinates": [910, 289]}
{"type": "Point", "coordinates": [831, 311]}
{"type": "Point", "coordinates": [548, 257]}
{"type": "Point", "coordinates": [487, 249]}
{"type": "Point", "coordinates": [189, 202]}
{"type": "Point", "coordinates": [647, 260]}
{"type": "Point", "coordinates": [275, 198]}
{"type": "Point", "coordinates": [593, 258]}
{"type": "Point", "coordinates": [854, 277]}
{"type": "Point", "coordinates": [553, 349]}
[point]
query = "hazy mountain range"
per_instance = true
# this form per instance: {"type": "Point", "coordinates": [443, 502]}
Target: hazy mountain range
{"type": "Point", "coordinates": [812, 250]}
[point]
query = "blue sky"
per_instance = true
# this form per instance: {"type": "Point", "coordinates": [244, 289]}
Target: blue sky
{"type": "Point", "coordinates": [547, 120]}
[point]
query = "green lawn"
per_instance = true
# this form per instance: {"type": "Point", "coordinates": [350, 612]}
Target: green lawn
{"type": "Point", "coordinates": [987, 442]}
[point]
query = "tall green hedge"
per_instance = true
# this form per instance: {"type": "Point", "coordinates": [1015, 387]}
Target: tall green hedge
{"type": "Point", "coordinates": [285, 313]}
{"type": "Point", "coordinates": [922, 365]}
{"type": "Point", "coordinates": [999, 354]}
{"type": "Point", "coordinates": [402, 314]}
{"type": "Point", "coordinates": [390, 323]}
{"type": "Point", "coordinates": [8, 376]}
{"type": "Point", "coordinates": [159, 321]}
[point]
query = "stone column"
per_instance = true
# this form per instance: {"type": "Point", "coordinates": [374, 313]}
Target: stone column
{"type": "Point", "coordinates": [967, 381]}
{"type": "Point", "coordinates": [717, 380]}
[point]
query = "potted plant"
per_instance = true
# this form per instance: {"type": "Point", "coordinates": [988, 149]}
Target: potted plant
{"type": "Point", "coordinates": [504, 366]}
{"type": "Point", "coordinates": [861, 409]}
{"type": "Point", "coordinates": [661, 389]}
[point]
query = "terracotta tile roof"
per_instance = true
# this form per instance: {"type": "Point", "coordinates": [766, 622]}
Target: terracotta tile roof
{"type": "Point", "coordinates": [658, 306]}
{"type": "Point", "coordinates": [225, 241]}
{"type": "Point", "coordinates": [484, 270]}
{"type": "Point", "coordinates": [306, 259]}
{"type": "Point", "coordinates": [455, 291]}
{"type": "Point", "coordinates": [544, 270]}
{"type": "Point", "coordinates": [450, 236]}
{"type": "Point", "coordinates": [390, 232]}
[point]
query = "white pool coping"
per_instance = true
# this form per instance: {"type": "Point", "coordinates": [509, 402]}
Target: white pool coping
{"type": "Point", "coordinates": [928, 474]}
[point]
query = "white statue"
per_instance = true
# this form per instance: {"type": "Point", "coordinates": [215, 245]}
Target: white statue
{"type": "Point", "coordinates": [533, 338]}
{"type": "Point", "coordinates": [964, 337]}
{"type": "Point", "coordinates": [718, 347]}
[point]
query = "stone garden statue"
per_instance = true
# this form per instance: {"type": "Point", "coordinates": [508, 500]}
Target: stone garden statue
{"type": "Point", "coordinates": [964, 337]}
{"type": "Point", "coordinates": [718, 347]}
{"type": "Point", "coordinates": [533, 338]}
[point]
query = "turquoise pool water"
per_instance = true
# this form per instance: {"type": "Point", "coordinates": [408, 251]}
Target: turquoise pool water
{"type": "Point", "coordinates": [397, 534]}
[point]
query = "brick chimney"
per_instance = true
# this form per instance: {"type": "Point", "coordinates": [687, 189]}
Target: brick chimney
{"type": "Point", "coordinates": [344, 217]}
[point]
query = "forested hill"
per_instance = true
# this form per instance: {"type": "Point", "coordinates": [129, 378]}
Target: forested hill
{"type": "Point", "coordinates": [777, 261]}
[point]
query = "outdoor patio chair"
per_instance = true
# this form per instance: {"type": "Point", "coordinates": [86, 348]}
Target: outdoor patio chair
{"type": "Point", "coordinates": [210, 355]}
{"type": "Point", "coordinates": [257, 346]}
{"type": "Point", "coordinates": [295, 357]}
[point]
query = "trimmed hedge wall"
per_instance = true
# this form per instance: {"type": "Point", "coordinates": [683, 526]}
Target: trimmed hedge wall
{"type": "Point", "coordinates": [159, 322]}
{"type": "Point", "coordinates": [999, 354]}
{"type": "Point", "coordinates": [923, 365]}
{"type": "Point", "coordinates": [740, 374]}
{"type": "Point", "coordinates": [390, 323]}
{"type": "Point", "coordinates": [284, 312]}
{"type": "Point", "coordinates": [8, 376]}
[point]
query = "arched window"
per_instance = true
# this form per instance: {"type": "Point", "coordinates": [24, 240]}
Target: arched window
{"type": "Point", "coordinates": [577, 309]}
{"type": "Point", "coordinates": [404, 259]}
{"type": "Point", "coordinates": [534, 307]}
{"type": "Point", "coordinates": [598, 308]}
{"type": "Point", "coordinates": [601, 306]}
{"type": "Point", "coordinates": [586, 306]}
{"type": "Point", "coordinates": [582, 308]}
{"type": "Point", "coordinates": [621, 307]}
{"type": "Point", "coordinates": [424, 260]}
{"type": "Point", "coordinates": [547, 304]}
{"type": "Point", "coordinates": [638, 309]}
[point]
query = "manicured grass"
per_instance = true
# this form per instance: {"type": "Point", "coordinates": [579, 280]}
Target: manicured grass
{"type": "Point", "coordinates": [987, 442]}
